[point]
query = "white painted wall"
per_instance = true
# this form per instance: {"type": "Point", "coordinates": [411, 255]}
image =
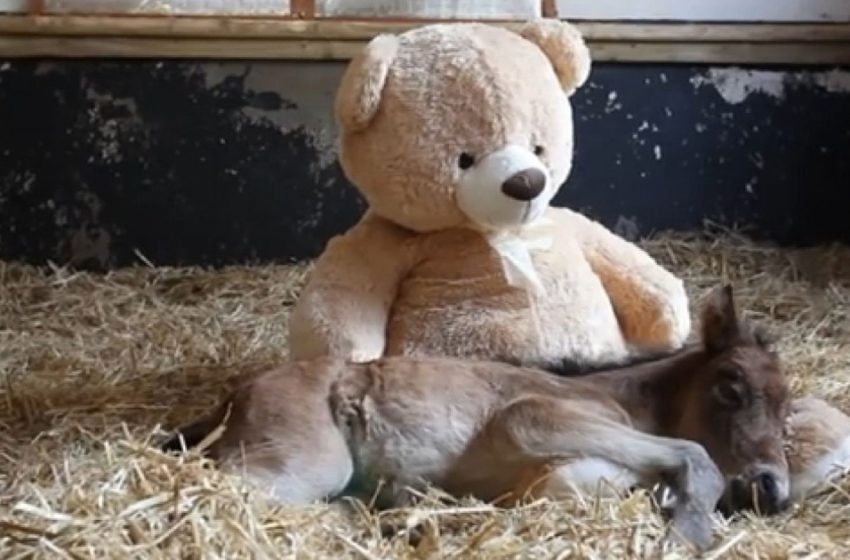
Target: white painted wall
{"type": "Point", "coordinates": [501, 9]}
{"type": "Point", "coordinates": [650, 10]}
{"type": "Point", "coordinates": [707, 10]}
{"type": "Point", "coordinates": [13, 5]}
{"type": "Point", "coordinates": [156, 6]}
{"type": "Point", "coordinates": [492, 9]}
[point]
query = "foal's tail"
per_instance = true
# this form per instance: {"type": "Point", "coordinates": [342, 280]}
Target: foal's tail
{"type": "Point", "coordinates": [191, 435]}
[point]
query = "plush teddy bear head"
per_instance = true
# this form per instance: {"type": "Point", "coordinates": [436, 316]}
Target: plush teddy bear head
{"type": "Point", "coordinates": [462, 124]}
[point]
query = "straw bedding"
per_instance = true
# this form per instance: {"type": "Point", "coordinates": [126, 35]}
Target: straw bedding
{"type": "Point", "coordinates": [93, 366]}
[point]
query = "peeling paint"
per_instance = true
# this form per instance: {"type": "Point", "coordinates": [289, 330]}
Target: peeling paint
{"type": "Point", "coordinates": [611, 105]}
{"type": "Point", "coordinates": [214, 164]}
{"type": "Point", "coordinates": [49, 67]}
{"type": "Point", "coordinates": [627, 228]}
{"type": "Point", "coordinates": [149, 156]}
{"type": "Point", "coordinates": [88, 243]}
{"type": "Point", "coordinates": [735, 85]}
{"type": "Point", "coordinates": [89, 246]}
{"type": "Point", "coordinates": [108, 132]}
{"type": "Point", "coordinates": [750, 186]}
{"type": "Point", "coordinates": [309, 91]}
{"type": "Point", "coordinates": [835, 81]}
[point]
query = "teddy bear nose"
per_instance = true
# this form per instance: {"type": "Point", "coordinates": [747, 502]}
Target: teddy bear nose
{"type": "Point", "coordinates": [524, 185]}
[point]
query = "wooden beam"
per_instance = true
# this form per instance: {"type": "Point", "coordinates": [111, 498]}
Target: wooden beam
{"type": "Point", "coordinates": [692, 52]}
{"type": "Point", "coordinates": [146, 47]}
{"type": "Point", "coordinates": [279, 28]}
{"type": "Point", "coordinates": [270, 49]}
{"type": "Point", "coordinates": [305, 9]}
{"type": "Point", "coordinates": [35, 6]}
{"type": "Point", "coordinates": [321, 39]}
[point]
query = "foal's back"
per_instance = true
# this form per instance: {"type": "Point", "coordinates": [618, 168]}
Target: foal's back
{"type": "Point", "coordinates": [446, 395]}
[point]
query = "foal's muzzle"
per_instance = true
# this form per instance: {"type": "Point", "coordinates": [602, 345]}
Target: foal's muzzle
{"type": "Point", "coordinates": [764, 492]}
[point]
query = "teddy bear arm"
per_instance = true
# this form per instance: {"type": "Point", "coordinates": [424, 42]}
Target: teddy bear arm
{"type": "Point", "coordinates": [343, 308]}
{"type": "Point", "coordinates": [650, 303]}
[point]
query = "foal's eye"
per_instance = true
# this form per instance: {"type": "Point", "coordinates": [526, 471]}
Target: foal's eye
{"type": "Point", "coordinates": [466, 160]}
{"type": "Point", "coordinates": [730, 390]}
{"type": "Point", "coordinates": [538, 150]}
{"type": "Point", "coordinates": [728, 395]}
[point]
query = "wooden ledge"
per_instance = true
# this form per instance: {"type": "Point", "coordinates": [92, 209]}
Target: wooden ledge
{"type": "Point", "coordinates": [328, 39]}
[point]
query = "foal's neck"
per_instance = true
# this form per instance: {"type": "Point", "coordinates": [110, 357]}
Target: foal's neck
{"type": "Point", "coordinates": [651, 393]}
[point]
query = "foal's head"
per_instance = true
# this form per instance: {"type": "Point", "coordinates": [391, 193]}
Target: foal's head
{"type": "Point", "coordinates": [735, 406]}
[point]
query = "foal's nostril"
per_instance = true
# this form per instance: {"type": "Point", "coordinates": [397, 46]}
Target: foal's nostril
{"type": "Point", "coordinates": [761, 492]}
{"type": "Point", "coordinates": [767, 487]}
{"type": "Point", "coordinates": [767, 493]}
{"type": "Point", "coordinates": [524, 185]}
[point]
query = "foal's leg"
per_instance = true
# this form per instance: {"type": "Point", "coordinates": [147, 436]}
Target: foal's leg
{"type": "Point", "coordinates": [817, 445]}
{"type": "Point", "coordinates": [550, 429]}
{"type": "Point", "coordinates": [588, 475]}
{"type": "Point", "coordinates": [289, 466]}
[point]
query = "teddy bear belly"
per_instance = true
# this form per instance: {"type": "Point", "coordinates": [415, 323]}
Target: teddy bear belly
{"type": "Point", "coordinates": [506, 323]}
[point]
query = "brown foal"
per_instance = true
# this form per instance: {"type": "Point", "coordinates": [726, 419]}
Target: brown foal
{"type": "Point", "coordinates": [706, 422]}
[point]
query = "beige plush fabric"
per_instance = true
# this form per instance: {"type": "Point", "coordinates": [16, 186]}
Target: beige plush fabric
{"type": "Point", "coordinates": [459, 135]}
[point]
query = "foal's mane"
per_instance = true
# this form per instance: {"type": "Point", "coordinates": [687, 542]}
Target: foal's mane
{"type": "Point", "coordinates": [745, 332]}
{"type": "Point", "coordinates": [576, 368]}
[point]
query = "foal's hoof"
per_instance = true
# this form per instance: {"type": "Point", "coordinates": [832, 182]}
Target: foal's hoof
{"type": "Point", "coordinates": [692, 529]}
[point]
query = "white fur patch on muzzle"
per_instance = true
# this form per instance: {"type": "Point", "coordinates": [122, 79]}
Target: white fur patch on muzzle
{"type": "Point", "coordinates": [505, 194]}
{"type": "Point", "coordinates": [507, 188]}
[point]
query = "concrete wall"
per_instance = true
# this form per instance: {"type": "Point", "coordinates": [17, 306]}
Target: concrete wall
{"type": "Point", "coordinates": [207, 163]}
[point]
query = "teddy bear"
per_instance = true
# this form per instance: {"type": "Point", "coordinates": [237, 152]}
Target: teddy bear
{"type": "Point", "coordinates": [458, 136]}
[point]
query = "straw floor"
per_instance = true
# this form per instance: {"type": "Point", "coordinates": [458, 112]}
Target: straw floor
{"type": "Point", "coordinates": [92, 366]}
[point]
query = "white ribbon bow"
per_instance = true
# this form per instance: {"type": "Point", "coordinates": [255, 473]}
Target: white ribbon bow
{"type": "Point", "coordinates": [514, 248]}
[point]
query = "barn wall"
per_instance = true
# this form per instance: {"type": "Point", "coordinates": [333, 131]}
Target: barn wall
{"type": "Point", "coordinates": [213, 164]}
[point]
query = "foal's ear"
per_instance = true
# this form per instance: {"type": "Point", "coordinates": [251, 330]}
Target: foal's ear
{"type": "Point", "coordinates": [720, 328]}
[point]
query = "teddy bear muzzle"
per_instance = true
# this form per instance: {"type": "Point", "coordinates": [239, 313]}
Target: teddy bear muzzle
{"type": "Point", "coordinates": [525, 185]}
{"type": "Point", "coordinates": [506, 188]}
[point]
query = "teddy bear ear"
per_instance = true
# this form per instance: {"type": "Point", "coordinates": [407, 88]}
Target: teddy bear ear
{"type": "Point", "coordinates": [359, 93]}
{"type": "Point", "coordinates": [565, 48]}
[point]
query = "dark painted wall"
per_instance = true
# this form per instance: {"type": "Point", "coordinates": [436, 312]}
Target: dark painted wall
{"type": "Point", "coordinates": [212, 164]}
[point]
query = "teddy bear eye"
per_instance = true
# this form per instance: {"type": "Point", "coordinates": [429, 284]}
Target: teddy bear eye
{"type": "Point", "coordinates": [538, 150]}
{"type": "Point", "coordinates": [465, 161]}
